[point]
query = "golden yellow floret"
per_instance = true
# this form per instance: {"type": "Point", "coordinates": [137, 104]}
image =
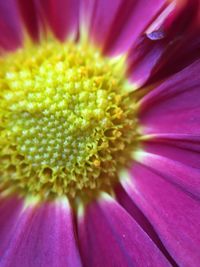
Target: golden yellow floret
{"type": "Point", "coordinates": [67, 120]}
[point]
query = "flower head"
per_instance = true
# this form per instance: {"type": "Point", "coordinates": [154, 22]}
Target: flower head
{"type": "Point", "coordinates": [99, 133]}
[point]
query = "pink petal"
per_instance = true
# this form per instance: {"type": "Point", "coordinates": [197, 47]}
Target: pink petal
{"type": "Point", "coordinates": [177, 173]}
{"type": "Point", "coordinates": [174, 106]}
{"type": "Point", "coordinates": [10, 26]}
{"type": "Point", "coordinates": [169, 44]}
{"type": "Point", "coordinates": [31, 17]}
{"type": "Point", "coordinates": [98, 17]}
{"type": "Point", "coordinates": [173, 213]}
{"type": "Point", "coordinates": [41, 236]}
{"type": "Point", "coordinates": [175, 151]}
{"type": "Point", "coordinates": [139, 217]}
{"type": "Point", "coordinates": [117, 24]}
{"type": "Point", "coordinates": [183, 141]}
{"type": "Point", "coordinates": [9, 213]}
{"type": "Point", "coordinates": [109, 236]}
{"type": "Point", "coordinates": [62, 16]}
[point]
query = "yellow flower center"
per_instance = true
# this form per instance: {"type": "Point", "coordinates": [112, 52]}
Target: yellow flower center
{"type": "Point", "coordinates": [67, 120]}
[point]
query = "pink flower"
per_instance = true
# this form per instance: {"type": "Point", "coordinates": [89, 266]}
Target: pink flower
{"type": "Point", "coordinates": [151, 215]}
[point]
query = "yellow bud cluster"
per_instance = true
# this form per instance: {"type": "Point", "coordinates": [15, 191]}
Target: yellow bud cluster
{"type": "Point", "coordinates": [67, 122]}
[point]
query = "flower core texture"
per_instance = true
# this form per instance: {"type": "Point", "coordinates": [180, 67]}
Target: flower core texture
{"type": "Point", "coordinates": [67, 120]}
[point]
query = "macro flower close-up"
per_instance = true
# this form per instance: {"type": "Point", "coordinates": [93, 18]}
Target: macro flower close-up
{"type": "Point", "coordinates": [99, 133]}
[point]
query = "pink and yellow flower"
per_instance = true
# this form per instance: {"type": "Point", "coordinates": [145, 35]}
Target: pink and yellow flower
{"type": "Point", "coordinates": [99, 133]}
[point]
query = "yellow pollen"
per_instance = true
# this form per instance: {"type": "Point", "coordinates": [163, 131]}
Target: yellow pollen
{"type": "Point", "coordinates": [67, 121]}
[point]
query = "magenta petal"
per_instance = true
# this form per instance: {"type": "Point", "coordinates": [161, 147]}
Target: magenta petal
{"type": "Point", "coordinates": [174, 106]}
{"type": "Point", "coordinates": [62, 16]}
{"type": "Point", "coordinates": [173, 213]}
{"type": "Point", "coordinates": [142, 58]}
{"type": "Point", "coordinates": [109, 236]}
{"type": "Point", "coordinates": [185, 177]}
{"type": "Point", "coordinates": [169, 44]}
{"type": "Point", "coordinates": [10, 26]}
{"type": "Point", "coordinates": [117, 24]}
{"type": "Point", "coordinates": [139, 217]}
{"type": "Point", "coordinates": [98, 17]}
{"type": "Point", "coordinates": [42, 236]}
{"type": "Point", "coordinates": [183, 141]}
{"type": "Point", "coordinates": [30, 12]}
{"type": "Point", "coordinates": [176, 151]}
{"type": "Point", "coordinates": [9, 213]}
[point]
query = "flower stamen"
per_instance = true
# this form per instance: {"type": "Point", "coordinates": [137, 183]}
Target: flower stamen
{"type": "Point", "coordinates": [67, 121]}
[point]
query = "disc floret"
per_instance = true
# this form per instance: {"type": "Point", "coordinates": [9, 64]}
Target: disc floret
{"type": "Point", "coordinates": [67, 121]}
